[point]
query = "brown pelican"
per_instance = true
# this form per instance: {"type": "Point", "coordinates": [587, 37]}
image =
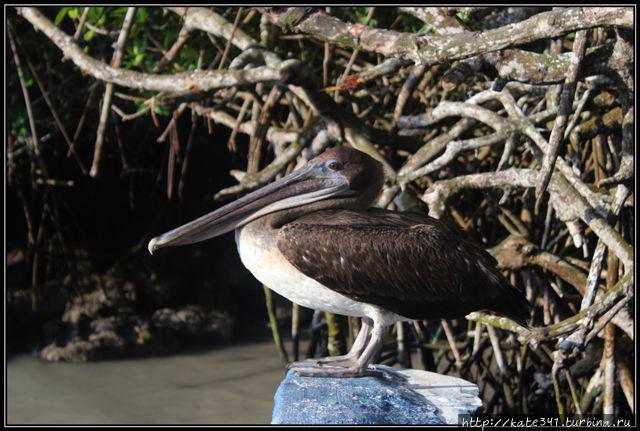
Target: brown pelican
{"type": "Point", "coordinates": [312, 238]}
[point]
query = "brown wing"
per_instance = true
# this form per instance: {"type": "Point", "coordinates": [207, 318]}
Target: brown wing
{"type": "Point", "coordinates": [411, 264]}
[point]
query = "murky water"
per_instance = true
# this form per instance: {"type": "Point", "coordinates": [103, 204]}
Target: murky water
{"type": "Point", "coordinates": [232, 385]}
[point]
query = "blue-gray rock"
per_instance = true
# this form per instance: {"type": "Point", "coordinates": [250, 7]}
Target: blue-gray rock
{"type": "Point", "coordinates": [402, 396]}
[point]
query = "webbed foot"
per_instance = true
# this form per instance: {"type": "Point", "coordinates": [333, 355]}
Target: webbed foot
{"type": "Point", "coordinates": [339, 361]}
{"type": "Point", "coordinates": [339, 372]}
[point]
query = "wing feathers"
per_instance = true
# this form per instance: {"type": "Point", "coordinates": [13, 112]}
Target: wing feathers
{"type": "Point", "coordinates": [413, 265]}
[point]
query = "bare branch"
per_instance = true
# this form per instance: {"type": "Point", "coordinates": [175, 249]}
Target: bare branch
{"type": "Point", "coordinates": [200, 18]}
{"type": "Point", "coordinates": [437, 19]}
{"type": "Point", "coordinates": [83, 18]}
{"type": "Point", "coordinates": [536, 334]}
{"type": "Point", "coordinates": [181, 82]}
{"type": "Point", "coordinates": [168, 57]}
{"type": "Point", "coordinates": [230, 39]}
{"type": "Point", "coordinates": [433, 49]}
{"type": "Point", "coordinates": [106, 101]}
{"type": "Point", "coordinates": [564, 109]}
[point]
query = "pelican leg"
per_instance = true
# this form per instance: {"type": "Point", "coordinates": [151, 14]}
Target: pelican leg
{"type": "Point", "coordinates": [344, 360]}
{"type": "Point", "coordinates": [358, 369]}
{"type": "Point", "coordinates": [356, 349]}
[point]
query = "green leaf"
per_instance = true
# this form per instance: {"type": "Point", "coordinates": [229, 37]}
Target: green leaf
{"type": "Point", "coordinates": [60, 16]}
{"type": "Point", "coordinates": [168, 37]}
{"type": "Point", "coordinates": [89, 35]}
{"type": "Point", "coordinates": [138, 59]}
{"type": "Point", "coordinates": [362, 17]}
{"type": "Point", "coordinates": [95, 13]}
{"type": "Point", "coordinates": [73, 13]}
{"type": "Point", "coordinates": [118, 12]}
{"type": "Point", "coordinates": [22, 136]}
{"type": "Point", "coordinates": [189, 53]}
{"type": "Point", "coordinates": [20, 121]}
{"type": "Point", "coordinates": [142, 15]}
{"type": "Point", "coordinates": [425, 29]}
{"type": "Point", "coordinates": [163, 110]}
{"type": "Point", "coordinates": [462, 17]}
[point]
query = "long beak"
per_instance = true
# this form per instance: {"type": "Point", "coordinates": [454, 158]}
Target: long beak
{"type": "Point", "coordinates": [301, 187]}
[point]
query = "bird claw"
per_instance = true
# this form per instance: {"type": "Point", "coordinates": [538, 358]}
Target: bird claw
{"type": "Point", "coordinates": [336, 372]}
{"type": "Point", "coordinates": [344, 361]}
{"type": "Point", "coordinates": [336, 359]}
{"type": "Point", "coordinates": [303, 364]}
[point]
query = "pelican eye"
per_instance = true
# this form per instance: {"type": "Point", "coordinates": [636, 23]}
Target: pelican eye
{"type": "Point", "coordinates": [334, 165]}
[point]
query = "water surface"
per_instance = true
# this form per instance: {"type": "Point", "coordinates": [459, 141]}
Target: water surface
{"type": "Point", "coordinates": [230, 385]}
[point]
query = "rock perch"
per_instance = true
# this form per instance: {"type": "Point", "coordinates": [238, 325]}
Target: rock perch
{"type": "Point", "coordinates": [402, 396]}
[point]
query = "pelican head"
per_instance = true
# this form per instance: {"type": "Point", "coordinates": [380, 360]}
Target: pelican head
{"type": "Point", "coordinates": [338, 178]}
